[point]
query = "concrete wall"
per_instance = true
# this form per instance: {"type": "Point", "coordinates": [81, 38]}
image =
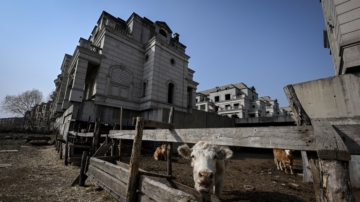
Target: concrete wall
{"type": "Point", "coordinates": [198, 119]}
{"type": "Point", "coordinates": [331, 97]}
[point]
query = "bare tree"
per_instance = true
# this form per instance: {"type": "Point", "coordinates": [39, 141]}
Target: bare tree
{"type": "Point", "coordinates": [19, 104]}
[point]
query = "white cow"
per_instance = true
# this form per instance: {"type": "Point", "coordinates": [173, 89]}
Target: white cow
{"type": "Point", "coordinates": [209, 163]}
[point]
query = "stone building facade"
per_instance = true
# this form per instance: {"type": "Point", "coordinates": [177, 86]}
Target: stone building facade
{"type": "Point", "coordinates": [342, 34]}
{"type": "Point", "coordinates": [136, 64]}
{"type": "Point", "coordinates": [239, 101]}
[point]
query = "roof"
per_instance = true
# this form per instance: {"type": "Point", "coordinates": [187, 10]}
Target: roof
{"type": "Point", "coordinates": [225, 87]}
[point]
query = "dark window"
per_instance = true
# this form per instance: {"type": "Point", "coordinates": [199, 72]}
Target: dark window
{"type": "Point", "coordinates": [146, 57]}
{"type": "Point", "coordinates": [216, 98]}
{"type": "Point", "coordinates": [144, 90]}
{"type": "Point", "coordinates": [196, 100]}
{"type": "Point", "coordinates": [172, 61]}
{"type": "Point", "coordinates": [253, 106]}
{"type": "Point", "coordinates": [202, 107]}
{"type": "Point", "coordinates": [227, 107]}
{"type": "Point", "coordinates": [236, 106]}
{"type": "Point", "coordinates": [227, 97]}
{"type": "Point", "coordinates": [251, 115]}
{"type": "Point", "coordinates": [163, 32]}
{"type": "Point", "coordinates": [170, 93]}
{"type": "Point", "coordinates": [216, 109]}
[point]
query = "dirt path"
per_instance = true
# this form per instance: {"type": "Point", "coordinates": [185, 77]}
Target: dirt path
{"type": "Point", "coordinates": [37, 174]}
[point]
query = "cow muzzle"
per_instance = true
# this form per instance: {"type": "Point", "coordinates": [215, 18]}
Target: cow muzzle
{"type": "Point", "coordinates": [205, 181]}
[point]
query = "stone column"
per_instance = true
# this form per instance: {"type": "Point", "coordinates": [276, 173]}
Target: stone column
{"type": "Point", "coordinates": [77, 91]}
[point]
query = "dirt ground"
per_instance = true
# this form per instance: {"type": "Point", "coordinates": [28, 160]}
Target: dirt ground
{"type": "Point", "coordinates": [37, 174]}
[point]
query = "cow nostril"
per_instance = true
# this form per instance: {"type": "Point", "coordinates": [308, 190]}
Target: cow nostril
{"type": "Point", "coordinates": [211, 175]}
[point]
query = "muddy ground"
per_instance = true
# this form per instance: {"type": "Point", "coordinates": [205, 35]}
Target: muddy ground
{"type": "Point", "coordinates": [37, 174]}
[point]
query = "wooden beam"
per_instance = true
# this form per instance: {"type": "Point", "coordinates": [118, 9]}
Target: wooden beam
{"type": "Point", "coordinates": [9, 151]}
{"type": "Point", "coordinates": [108, 180]}
{"type": "Point", "coordinates": [350, 135]}
{"type": "Point", "coordinates": [143, 172]}
{"type": "Point", "coordinates": [160, 192]}
{"type": "Point", "coordinates": [135, 160]}
{"type": "Point", "coordinates": [329, 144]}
{"type": "Point", "coordinates": [169, 145]}
{"type": "Point", "coordinates": [82, 176]}
{"type": "Point", "coordinates": [287, 137]}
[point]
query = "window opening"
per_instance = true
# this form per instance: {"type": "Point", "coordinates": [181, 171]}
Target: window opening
{"type": "Point", "coordinates": [170, 93]}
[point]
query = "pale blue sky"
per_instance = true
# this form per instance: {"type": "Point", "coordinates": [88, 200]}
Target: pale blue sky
{"type": "Point", "coordinates": [262, 43]}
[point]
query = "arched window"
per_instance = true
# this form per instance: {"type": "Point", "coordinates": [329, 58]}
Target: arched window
{"type": "Point", "coordinates": [170, 93]}
{"type": "Point", "coordinates": [163, 32]}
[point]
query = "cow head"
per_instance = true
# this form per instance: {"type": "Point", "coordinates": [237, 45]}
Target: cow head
{"type": "Point", "coordinates": [204, 157]}
{"type": "Point", "coordinates": [163, 148]}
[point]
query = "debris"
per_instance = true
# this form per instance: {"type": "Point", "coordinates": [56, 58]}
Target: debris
{"type": "Point", "coordinates": [39, 142]}
{"type": "Point", "coordinates": [294, 185]}
{"type": "Point", "coordinates": [8, 151]}
{"type": "Point", "coordinates": [5, 165]}
{"type": "Point", "coordinates": [249, 187]}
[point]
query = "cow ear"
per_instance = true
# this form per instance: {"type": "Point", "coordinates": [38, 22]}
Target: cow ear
{"type": "Point", "coordinates": [184, 151]}
{"type": "Point", "coordinates": [224, 153]}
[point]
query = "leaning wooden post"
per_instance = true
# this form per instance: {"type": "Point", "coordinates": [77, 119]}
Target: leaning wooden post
{"type": "Point", "coordinates": [60, 149]}
{"type": "Point", "coordinates": [331, 171]}
{"type": "Point", "coordinates": [134, 160]}
{"type": "Point", "coordinates": [82, 176]}
{"type": "Point", "coordinates": [170, 145]}
{"type": "Point", "coordinates": [66, 155]}
{"type": "Point", "coordinates": [121, 127]}
{"type": "Point", "coordinates": [96, 142]}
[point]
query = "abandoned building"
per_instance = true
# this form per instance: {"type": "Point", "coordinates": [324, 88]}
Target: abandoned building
{"type": "Point", "coordinates": [138, 65]}
{"type": "Point", "coordinates": [238, 101]}
{"type": "Point", "coordinates": [38, 118]}
{"type": "Point", "coordinates": [342, 34]}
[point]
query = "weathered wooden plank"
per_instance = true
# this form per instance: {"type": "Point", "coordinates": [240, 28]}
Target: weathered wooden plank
{"type": "Point", "coordinates": [134, 160]}
{"type": "Point", "coordinates": [350, 134]}
{"type": "Point", "coordinates": [80, 146]}
{"type": "Point", "coordinates": [160, 192]}
{"type": "Point", "coordinates": [204, 197]}
{"type": "Point", "coordinates": [108, 158]}
{"type": "Point", "coordinates": [103, 149]}
{"type": "Point", "coordinates": [117, 172]}
{"type": "Point", "coordinates": [9, 151]}
{"type": "Point", "coordinates": [82, 134]}
{"type": "Point", "coordinates": [143, 172]}
{"type": "Point", "coordinates": [287, 137]}
{"type": "Point", "coordinates": [82, 176]}
{"type": "Point", "coordinates": [109, 181]}
{"type": "Point", "coordinates": [329, 144]}
{"type": "Point", "coordinates": [169, 145]}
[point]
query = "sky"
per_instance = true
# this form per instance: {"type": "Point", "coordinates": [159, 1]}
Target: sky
{"type": "Point", "coordinates": [262, 43]}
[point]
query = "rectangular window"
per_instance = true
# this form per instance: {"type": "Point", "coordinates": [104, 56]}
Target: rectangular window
{"type": "Point", "coordinates": [227, 107]}
{"type": "Point", "coordinates": [236, 106]}
{"type": "Point", "coordinates": [202, 107]}
{"type": "Point", "coordinates": [227, 97]}
{"type": "Point", "coordinates": [217, 99]}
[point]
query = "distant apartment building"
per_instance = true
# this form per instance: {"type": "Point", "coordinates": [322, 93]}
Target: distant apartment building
{"type": "Point", "coordinates": [136, 64]}
{"type": "Point", "coordinates": [342, 34]}
{"type": "Point", "coordinates": [238, 101]}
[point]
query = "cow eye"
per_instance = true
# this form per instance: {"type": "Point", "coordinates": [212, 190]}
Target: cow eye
{"type": "Point", "coordinates": [192, 156]}
{"type": "Point", "coordinates": [215, 157]}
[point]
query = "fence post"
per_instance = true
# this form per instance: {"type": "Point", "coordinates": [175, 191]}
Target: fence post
{"type": "Point", "coordinates": [170, 145]}
{"type": "Point", "coordinates": [82, 176]}
{"type": "Point", "coordinates": [121, 127]}
{"type": "Point", "coordinates": [134, 160]}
